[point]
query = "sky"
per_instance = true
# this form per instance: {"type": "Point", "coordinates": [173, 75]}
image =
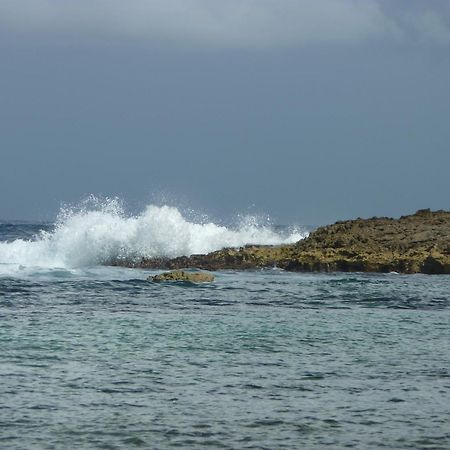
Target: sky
{"type": "Point", "coordinates": [307, 111]}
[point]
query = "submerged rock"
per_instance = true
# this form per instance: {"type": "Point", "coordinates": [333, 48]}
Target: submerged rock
{"type": "Point", "coordinates": [181, 275]}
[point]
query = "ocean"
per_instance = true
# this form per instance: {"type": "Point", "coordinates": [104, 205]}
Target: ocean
{"type": "Point", "coordinates": [97, 357]}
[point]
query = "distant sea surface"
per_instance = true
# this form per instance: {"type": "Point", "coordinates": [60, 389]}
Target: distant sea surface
{"type": "Point", "coordinates": [96, 357]}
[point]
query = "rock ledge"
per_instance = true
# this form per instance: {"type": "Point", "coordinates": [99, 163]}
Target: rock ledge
{"type": "Point", "coordinates": [418, 243]}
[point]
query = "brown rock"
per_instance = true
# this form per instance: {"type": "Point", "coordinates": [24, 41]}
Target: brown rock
{"type": "Point", "coordinates": [180, 275]}
{"type": "Point", "coordinates": [416, 243]}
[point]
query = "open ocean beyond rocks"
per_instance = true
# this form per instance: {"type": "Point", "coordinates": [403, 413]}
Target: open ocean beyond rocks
{"type": "Point", "coordinates": [96, 357]}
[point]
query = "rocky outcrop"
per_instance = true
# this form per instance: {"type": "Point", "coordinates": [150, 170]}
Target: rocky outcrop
{"type": "Point", "coordinates": [181, 275]}
{"type": "Point", "coordinates": [249, 257]}
{"type": "Point", "coordinates": [411, 244]}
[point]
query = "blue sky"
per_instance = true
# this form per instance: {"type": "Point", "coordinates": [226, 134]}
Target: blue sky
{"type": "Point", "coordinates": [307, 111]}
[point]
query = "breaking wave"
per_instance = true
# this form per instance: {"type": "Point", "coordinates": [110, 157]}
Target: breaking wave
{"type": "Point", "coordinates": [99, 232]}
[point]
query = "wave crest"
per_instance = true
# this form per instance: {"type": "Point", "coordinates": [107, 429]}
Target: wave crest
{"type": "Point", "coordinates": [99, 232]}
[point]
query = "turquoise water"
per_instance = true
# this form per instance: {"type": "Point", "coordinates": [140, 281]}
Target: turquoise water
{"type": "Point", "coordinates": [99, 358]}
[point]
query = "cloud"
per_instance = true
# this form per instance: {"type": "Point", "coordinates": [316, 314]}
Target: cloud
{"type": "Point", "coordinates": [232, 23]}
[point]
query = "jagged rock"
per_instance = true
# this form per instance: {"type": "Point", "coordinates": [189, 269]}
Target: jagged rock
{"type": "Point", "coordinates": [416, 243]}
{"type": "Point", "coordinates": [180, 275]}
{"type": "Point", "coordinates": [435, 265]}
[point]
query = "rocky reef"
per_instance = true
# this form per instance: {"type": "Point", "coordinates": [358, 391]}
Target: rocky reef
{"type": "Point", "coordinates": [181, 275]}
{"type": "Point", "coordinates": [418, 243]}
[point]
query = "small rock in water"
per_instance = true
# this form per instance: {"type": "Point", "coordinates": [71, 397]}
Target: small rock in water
{"type": "Point", "coordinates": [181, 275]}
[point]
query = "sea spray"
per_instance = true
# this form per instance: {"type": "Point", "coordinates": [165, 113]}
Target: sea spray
{"type": "Point", "coordinates": [99, 232]}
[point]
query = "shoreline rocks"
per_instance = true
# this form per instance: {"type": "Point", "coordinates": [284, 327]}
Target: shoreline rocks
{"type": "Point", "coordinates": [417, 243]}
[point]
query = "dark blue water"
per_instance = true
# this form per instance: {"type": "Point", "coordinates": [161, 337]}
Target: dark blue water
{"type": "Point", "coordinates": [99, 358]}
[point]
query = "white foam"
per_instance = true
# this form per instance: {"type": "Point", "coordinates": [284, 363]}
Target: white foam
{"type": "Point", "coordinates": [100, 232]}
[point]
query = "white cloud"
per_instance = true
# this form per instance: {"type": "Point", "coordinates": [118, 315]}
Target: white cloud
{"type": "Point", "coordinates": [243, 23]}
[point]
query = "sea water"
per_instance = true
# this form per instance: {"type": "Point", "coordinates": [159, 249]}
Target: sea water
{"type": "Point", "coordinates": [96, 357]}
